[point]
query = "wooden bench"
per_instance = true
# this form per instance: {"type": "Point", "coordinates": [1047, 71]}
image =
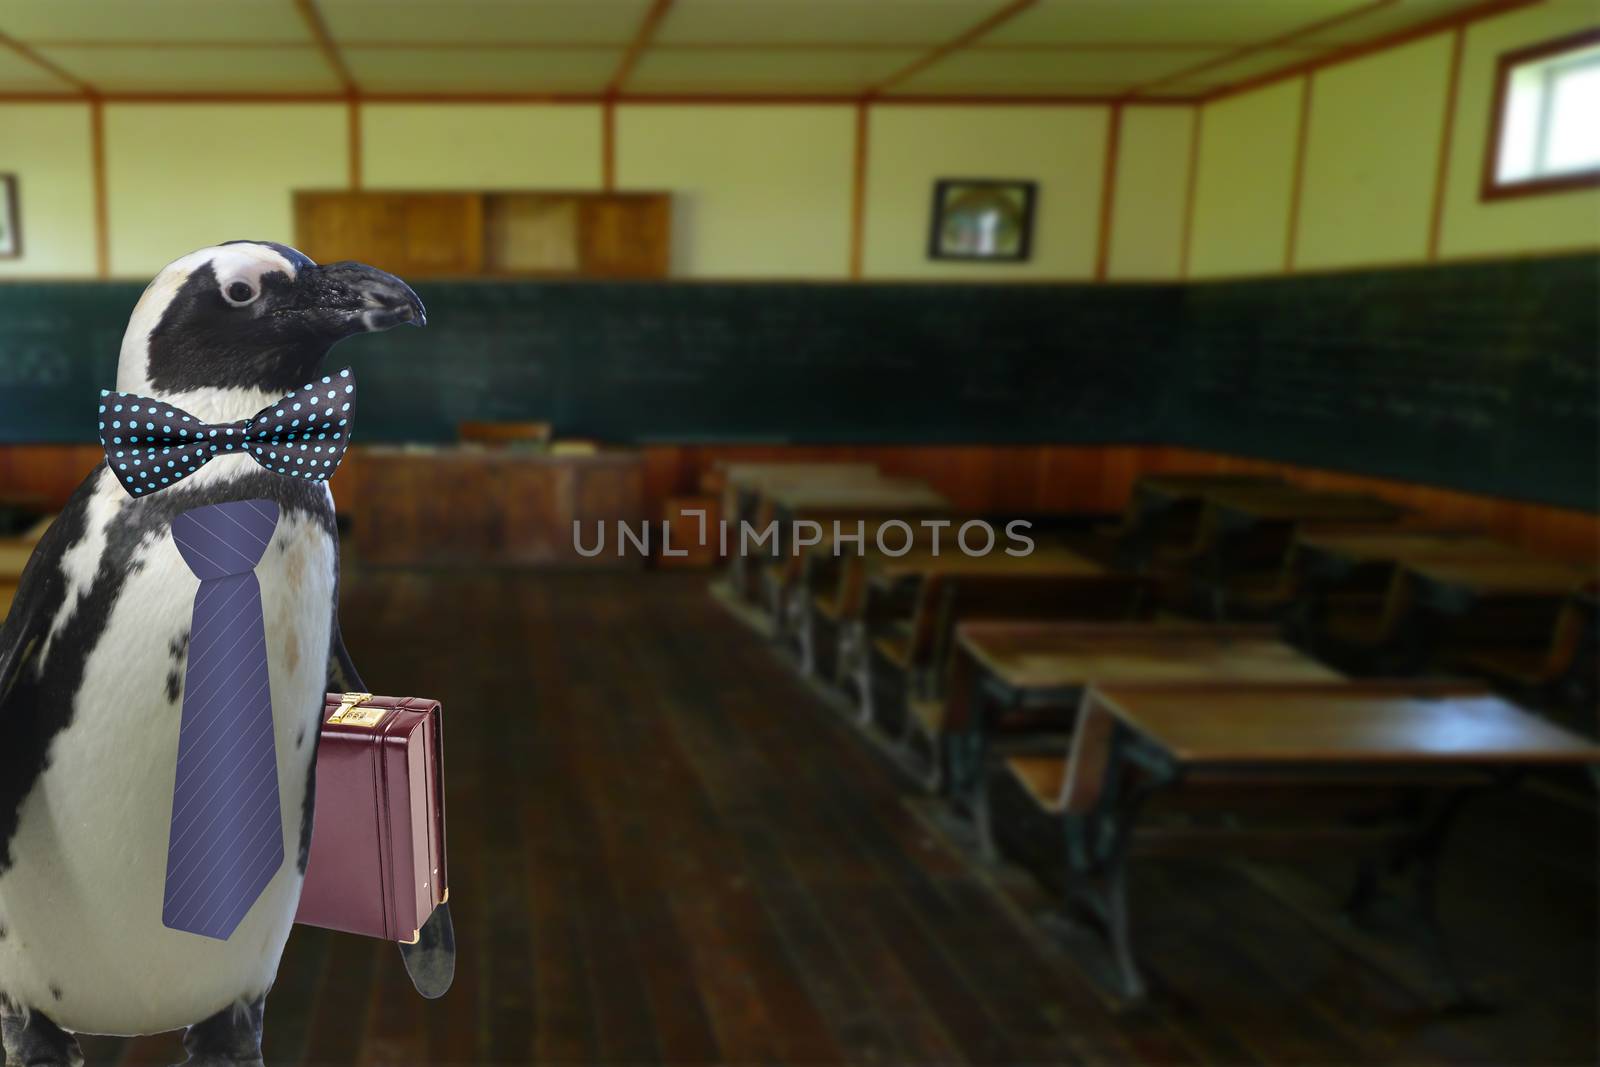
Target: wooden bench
{"type": "Point", "coordinates": [885, 500]}
{"type": "Point", "coordinates": [918, 665]}
{"type": "Point", "coordinates": [827, 589]}
{"type": "Point", "coordinates": [1397, 759]}
{"type": "Point", "coordinates": [991, 586]}
{"type": "Point", "coordinates": [1563, 670]}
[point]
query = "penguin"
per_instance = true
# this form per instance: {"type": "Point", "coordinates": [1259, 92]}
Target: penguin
{"type": "Point", "coordinates": [92, 659]}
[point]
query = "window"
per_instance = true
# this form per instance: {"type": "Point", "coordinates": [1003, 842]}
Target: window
{"type": "Point", "coordinates": [1546, 127]}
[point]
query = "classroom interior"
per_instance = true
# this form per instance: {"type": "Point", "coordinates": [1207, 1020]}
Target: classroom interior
{"type": "Point", "coordinates": [758, 332]}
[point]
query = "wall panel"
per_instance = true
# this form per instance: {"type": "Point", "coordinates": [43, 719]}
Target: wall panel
{"type": "Point", "coordinates": [757, 191]}
{"type": "Point", "coordinates": [47, 147]}
{"type": "Point", "coordinates": [480, 146]}
{"type": "Point", "coordinates": [1245, 182]}
{"type": "Point", "coordinates": [183, 176]}
{"type": "Point", "coordinates": [1152, 183]}
{"type": "Point", "coordinates": [1371, 157]}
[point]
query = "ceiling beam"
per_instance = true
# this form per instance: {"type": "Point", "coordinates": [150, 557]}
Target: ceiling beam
{"type": "Point", "coordinates": [554, 98]}
{"type": "Point", "coordinates": [30, 56]}
{"type": "Point", "coordinates": [318, 28]}
{"type": "Point", "coordinates": [1348, 15]}
{"type": "Point", "coordinates": [641, 40]}
{"type": "Point", "coordinates": [955, 44]}
{"type": "Point", "coordinates": [1344, 53]}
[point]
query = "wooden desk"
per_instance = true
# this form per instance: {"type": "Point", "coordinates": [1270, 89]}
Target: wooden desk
{"type": "Point", "coordinates": [745, 484]}
{"type": "Point", "coordinates": [1244, 505]}
{"type": "Point", "coordinates": [1246, 534]}
{"type": "Point", "coordinates": [1164, 507]}
{"type": "Point", "coordinates": [1003, 668]}
{"type": "Point", "coordinates": [470, 507]}
{"type": "Point", "coordinates": [1045, 561]}
{"type": "Point", "coordinates": [1405, 756]}
{"type": "Point", "coordinates": [1356, 569]}
{"type": "Point", "coordinates": [906, 498]}
{"type": "Point", "coordinates": [1335, 554]}
{"type": "Point", "coordinates": [1349, 724]}
{"type": "Point", "coordinates": [1158, 488]}
{"type": "Point", "coordinates": [1055, 657]}
{"type": "Point", "coordinates": [1453, 584]}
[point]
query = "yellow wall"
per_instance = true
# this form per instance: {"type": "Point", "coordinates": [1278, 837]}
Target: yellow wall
{"type": "Point", "coordinates": [1245, 182]}
{"type": "Point", "coordinates": [1062, 148]}
{"type": "Point", "coordinates": [1522, 224]}
{"type": "Point", "coordinates": [1151, 192]}
{"type": "Point", "coordinates": [181, 177]}
{"type": "Point", "coordinates": [1372, 155]}
{"type": "Point", "coordinates": [479, 146]}
{"type": "Point", "coordinates": [766, 191]}
{"type": "Point", "coordinates": [757, 191]}
{"type": "Point", "coordinates": [1375, 130]}
{"type": "Point", "coordinates": [47, 147]}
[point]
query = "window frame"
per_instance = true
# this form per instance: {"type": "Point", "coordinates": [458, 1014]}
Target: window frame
{"type": "Point", "coordinates": [1492, 188]}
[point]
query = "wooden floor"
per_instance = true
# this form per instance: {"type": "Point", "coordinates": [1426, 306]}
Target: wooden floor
{"type": "Point", "coordinates": [664, 847]}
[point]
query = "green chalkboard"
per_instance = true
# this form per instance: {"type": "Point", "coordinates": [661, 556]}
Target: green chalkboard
{"type": "Point", "coordinates": [1481, 376]}
{"type": "Point", "coordinates": [1476, 376]}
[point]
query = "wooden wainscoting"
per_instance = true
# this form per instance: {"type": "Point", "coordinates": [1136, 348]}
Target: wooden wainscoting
{"type": "Point", "coordinates": [1018, 479]}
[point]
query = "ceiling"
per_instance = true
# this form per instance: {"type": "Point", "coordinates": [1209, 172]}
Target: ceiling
{"type": "Point", "coordinates": [1120, 49]}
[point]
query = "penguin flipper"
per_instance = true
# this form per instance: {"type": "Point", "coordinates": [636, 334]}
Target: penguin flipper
{"type": "Point", "coordinates": [431, 962]}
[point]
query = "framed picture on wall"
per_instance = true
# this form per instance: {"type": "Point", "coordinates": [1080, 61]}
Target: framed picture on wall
{"type": "Point", "coordinates": [983, 219]}
{"type": "Point", "coordinates": [10, 224]}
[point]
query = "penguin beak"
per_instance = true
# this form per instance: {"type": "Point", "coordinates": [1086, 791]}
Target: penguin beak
{"type": "Point", "coordinates": [355, 298]}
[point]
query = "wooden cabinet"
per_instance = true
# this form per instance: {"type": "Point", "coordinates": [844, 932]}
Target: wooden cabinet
{"type": "Point", "coordinates": [628, 236]}
{"type": "Point", "coordinates": [503, 234]}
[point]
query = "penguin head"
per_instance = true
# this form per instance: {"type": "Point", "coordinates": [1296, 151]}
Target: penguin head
{"type": "Point", "coordinates": [251, 317]}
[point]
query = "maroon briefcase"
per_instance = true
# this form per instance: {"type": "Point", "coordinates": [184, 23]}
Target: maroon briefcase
{"type": "Point", "coordinates": [377, 863]}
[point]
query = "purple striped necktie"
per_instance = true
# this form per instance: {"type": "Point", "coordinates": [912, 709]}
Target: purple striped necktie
{"type": "Point", "coordinates": [226, 841]}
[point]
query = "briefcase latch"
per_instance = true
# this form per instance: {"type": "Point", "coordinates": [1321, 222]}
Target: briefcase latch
{"type": "Point", "coordinates": [351, 713]}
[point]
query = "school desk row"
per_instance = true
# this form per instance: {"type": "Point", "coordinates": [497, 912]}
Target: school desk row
{"type": "Point", "coordinates": [1363, 583]}
{"type": "Point", "coordinates": [1350, 576]}
{"type": "Point", "coordinates": [1048, 675]}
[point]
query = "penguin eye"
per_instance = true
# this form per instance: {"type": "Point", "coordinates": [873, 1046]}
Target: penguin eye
{"type": "Point", "coordinates": [239, 293]}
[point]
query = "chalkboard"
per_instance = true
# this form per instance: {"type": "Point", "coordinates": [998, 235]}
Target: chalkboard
{"type": "Point", "coordinates": [1481, 376]}
{"type": "Point", "coordinates": [1476, 376]}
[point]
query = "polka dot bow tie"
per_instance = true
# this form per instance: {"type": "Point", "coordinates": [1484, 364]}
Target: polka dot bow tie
{"type": "Point", "coordinates": [151, 445]}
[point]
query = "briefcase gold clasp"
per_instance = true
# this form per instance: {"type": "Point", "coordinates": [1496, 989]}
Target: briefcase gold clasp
{"type": "Point", "coordinates": [351, 713]}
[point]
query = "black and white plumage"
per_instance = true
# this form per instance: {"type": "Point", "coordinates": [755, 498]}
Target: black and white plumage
{"type": "Point", "coordinates": [92, 660]}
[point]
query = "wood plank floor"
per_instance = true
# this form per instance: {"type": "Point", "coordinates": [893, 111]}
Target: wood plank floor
{"type": "Point", "coordinates": [664, 848]}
